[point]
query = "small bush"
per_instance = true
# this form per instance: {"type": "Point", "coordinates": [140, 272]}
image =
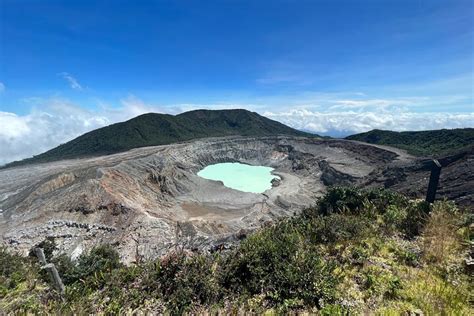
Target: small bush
{"type": "Point", "coordinates": [182, 281]}
{"type": "Point", "coordinates": [407, 257]}
{"type": "Point", "coordinates": [66, 269]}
{"type": "Point", "coordinates": [360, 254]}
{"type": "Point", "coordinates": [353, 200]}
{"type": "Point", "coordinates": [379, 282]}
{"type": "Point", "coordinates": [339, 199]}
{"type": "Point", "coordinates": [417, 213]}
{"type": "Point", "coordinates": [337, 227]}
{"type": "Point", "coordinates": [48, 245]}
{"type": "Point", "coordinates": [277, 262]}
{"type": "Point", "coordinates": [95, 263]}
{"type": "Point", "coordinates": [394, 217]}
{"type": "Point", "coordinates": [18, 280]}
{"type": "Point", "coordinates": [13, 270]}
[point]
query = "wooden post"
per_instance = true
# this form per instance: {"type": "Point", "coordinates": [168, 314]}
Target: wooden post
{"type": "Point", "coordinates": [52, 271]}
{"type": "Point", "coordinates": [178, 233]}
{"type": "Point", "coordinates": [434, 180]}
{"type": "Point", "coordinates": [40, 254]}
{"type": "Point", "coordinates": [55, 278]}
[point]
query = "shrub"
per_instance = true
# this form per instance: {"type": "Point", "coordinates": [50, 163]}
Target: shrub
{"type": "Point", "coordinates": [182, 281]}
{"type": "Point", "coordinates": [339, 199]}
{"type": "Point", "coordinates": [360, 254]}
{"type": "Point", "coordinates": [380, 282]}
{"type": "Point", "coordinates": [394, 217]}
{"type": "Point", "coordinates": [417, 214]}
{"type": "Point", "coordinates": [48, 245]}
{"type": "Point", "coordinates": [337, 227]}
{"type": "Point", "coordinates": [122, 290]}
{"type": "Point", "coordinates": [278, 263]}
{"type": "Point", "coordinates": [66, 269]}
{"type": "Point", "coordinates": [408, 257]}
{"type": "Point", "coordinates": [18, 280]}
{"type": "Point", "coordinates": [383, 198]}
{"type": "Point", "coordinates": [353, 200]}
{"type": "Point", "coordinates": [100, 259]}
{"type": "Point", "coordinates": [13, 270]}
{"type": "Point", "coordinates": [335, 309]}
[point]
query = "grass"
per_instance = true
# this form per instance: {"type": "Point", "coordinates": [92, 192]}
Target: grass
{"type": "Point", "coordinates": [354, 252]}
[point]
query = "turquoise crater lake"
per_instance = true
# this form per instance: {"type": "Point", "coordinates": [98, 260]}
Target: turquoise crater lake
{"type": "Point", "coordinates": [238, 176]}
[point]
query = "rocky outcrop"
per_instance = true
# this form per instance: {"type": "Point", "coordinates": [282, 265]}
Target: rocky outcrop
{"type": "Point", "coordinates": [330, 176]}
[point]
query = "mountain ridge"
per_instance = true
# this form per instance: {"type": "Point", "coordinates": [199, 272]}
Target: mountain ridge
{"type": "Point", "coordinates": [421, 143]}
{"type": "Point", "coordinates": [152, 129]}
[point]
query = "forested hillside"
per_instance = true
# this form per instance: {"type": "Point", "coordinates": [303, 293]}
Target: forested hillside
{"type": "Point", "coordinates": [421, 143]}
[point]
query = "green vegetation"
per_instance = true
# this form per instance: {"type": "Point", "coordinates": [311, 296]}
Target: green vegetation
{"type": "Point", "coordinates": [423, 143]}
{"type": "Point", "coordinates": [354, 252]}
{"type": "Point", "coordinates": [161, 129]}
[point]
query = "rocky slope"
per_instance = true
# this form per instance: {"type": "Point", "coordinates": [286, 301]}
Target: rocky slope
{"type": "Point", "coordinates": [411, 177]}
{"type": "Point", "coordinates": [149, 200]}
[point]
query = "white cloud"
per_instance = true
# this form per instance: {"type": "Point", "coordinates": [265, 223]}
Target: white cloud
{"type": "Point", "coordinates": [58, 121]}
{"type": "Point", "coordinates": [12, 126]}
{"type": "Point", "coordinates": [357, 122]}
{"type": "Point", "coordinates": [133, 106]}
{"type": "Point", "coordinates": [364, 104]}
{"type": "Point", "coordinates": [2, 87]}
{"type": "Point", "coordinates": [281, 78]}
{"type": "Point", "coordinates": [73, 83]}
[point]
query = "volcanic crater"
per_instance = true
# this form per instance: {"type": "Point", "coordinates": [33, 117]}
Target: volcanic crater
{"type": "Point", "coordinates": [150, 200]}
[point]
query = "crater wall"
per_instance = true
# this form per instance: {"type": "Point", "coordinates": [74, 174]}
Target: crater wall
{"type": "Point", "coordinates": [149, 200]}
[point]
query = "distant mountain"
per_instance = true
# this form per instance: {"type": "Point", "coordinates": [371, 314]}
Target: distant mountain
{"type": "Point", "coordinates": [422, 143]}
{"type": "Point", "coordinates": [159, 129]}
{"type": "Point", "coordinates": [333, 133]}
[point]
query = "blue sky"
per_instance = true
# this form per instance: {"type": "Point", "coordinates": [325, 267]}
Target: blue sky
{"type": "Point", "coordinates": [332, 67]}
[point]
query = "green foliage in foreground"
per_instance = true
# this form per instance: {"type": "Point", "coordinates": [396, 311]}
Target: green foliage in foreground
{"type": "Point", "coordinates": [422, 143]}
{"type": "Point", "coordinates": [354, 252]}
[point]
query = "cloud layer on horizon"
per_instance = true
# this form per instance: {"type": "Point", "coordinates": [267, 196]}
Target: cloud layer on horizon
{"type": "Point", "coordinates": [59, 120]}
{"type": "Point", "coordinates": [347, 122]}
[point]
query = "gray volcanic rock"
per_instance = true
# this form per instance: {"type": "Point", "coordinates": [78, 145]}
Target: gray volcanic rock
{"type": "Point", "coordinates": [149, 200]}
{"type": "Point", "coordinates": [411, 177]}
